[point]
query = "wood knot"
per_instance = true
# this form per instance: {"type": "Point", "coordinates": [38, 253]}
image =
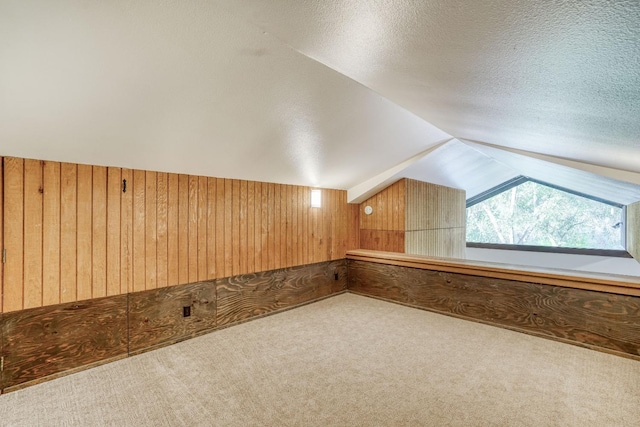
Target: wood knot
{"type": "Point", "coordinates": [40, 190]}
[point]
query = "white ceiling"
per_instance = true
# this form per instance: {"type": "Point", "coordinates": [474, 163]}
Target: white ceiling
{"type": "Point", "coordinates": [330, 93]}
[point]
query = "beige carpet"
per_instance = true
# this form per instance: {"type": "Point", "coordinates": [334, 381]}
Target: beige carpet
{"type": "Point", "coordinates": [345, 361]}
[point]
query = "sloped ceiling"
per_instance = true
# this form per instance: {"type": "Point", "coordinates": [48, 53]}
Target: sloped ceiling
{"type": "Point", "coordinates": [329, 93]}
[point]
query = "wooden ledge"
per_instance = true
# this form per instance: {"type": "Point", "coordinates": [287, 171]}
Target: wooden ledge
{"type": "Point", "coordinates": [612, 283]}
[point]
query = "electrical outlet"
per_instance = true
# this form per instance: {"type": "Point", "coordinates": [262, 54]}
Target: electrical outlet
{"type": "Point", "coordinates": [186, 311]}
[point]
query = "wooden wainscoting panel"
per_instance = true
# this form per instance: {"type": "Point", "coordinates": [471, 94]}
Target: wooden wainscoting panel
{"type": "Point", "coordinates": [48, 340]}
{"type": "Point", "coordinates": [589, 318]}
{"type": "Point", "coordinates": [156, 316]}
{"type": "Point", "coordinates": [242, 297]}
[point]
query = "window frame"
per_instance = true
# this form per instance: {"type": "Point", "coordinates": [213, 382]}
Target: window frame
{"type": "Point", "coordinates": [521, 179]}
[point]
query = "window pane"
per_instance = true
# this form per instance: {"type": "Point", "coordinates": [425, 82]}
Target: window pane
{"type": "Point", "coordinates": [537, 215]}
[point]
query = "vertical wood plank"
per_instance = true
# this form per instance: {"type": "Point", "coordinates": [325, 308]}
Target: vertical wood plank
{"type": "Point", "coordinates": [33, 233]}
{"type": "Point", "coordinates": [307, 238]}
{"type": "Point", "coordinates": [85, 232]}
{"type": "Point", "coordinates": [251, 215]}
{"type": "Point", "coordinates": [68, 231]}
{"type": "Point", "coordinates": [193, 229]}
{"type": "Point", "coordinates": [114, 191]}
{"type": "Point", "coordinates": [139, 231]}
{"type": "Point", "coordinates": [162, 227]}
{"type": "Point", "coordinates": [99, 239]}
{"type": "Point", "coordinates": [264, 227]}
{"type": "Point", "coordinates": [235, 227]}
{"type": "Point", "coordinates": [285, 243]}
{"type": "Point", "coordinates": [242, 229]}
{"type": "Point", "coordinates": [277, 216]}
{"type": "Point", "coordinates": [258, 227]}
{"type": "Point", "coordinates": [51, 234]}
{"type": "Point", "coordinates": [293, 203]}
{"type": "Point", "coordinates": [211, 228]}
{"type": "Point", "coordinates": [220, 226]}
{"type": "Point", "coordinates": [202, 228]}
{"type": "Point", "coordinates": [173, 204]}
{"type": "Point", "coordinates": [183, 229]}
{"type": "Point", "coordinates": [126, 233]}
{"type": "Point", "coordinates": [228, 232]}
{"type": "Point", "coordinates": [13, 234]}
{"type": "Point", "coordinates": [272, 226]}
{"type": "Point", "coordinates": [151, 230]}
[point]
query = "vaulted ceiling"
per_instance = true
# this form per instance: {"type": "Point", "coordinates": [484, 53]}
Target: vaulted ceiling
{"type": "Point", "coordinates": [342, 94]}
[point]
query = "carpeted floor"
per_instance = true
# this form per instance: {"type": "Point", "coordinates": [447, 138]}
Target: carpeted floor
{"type": "Point", "coordinates": [345, 361]}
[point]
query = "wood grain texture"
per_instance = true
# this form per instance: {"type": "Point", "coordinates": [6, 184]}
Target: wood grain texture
{"type": "Point", "coordinates": [202, 228]}
{"type": "Point", "coordinates": [594, 319]}
{"type": "Point", "coordinates": [156, 317]}
{"type": "Point", "coordinates": [51, 234]}
{"type": "Point", "coordinates": [47, 340]}
{"type": "Point", "coordinates": [13, 233]}
{"type": "Point", "coordinates": [173, 260]}
{"type": "Point", "coordinates": [383, 230]}
{"type": "Point", "coordinates": [162, 230]}
{"type": "Point", "coordinates": [68, 232]}
{"type": "Point", "coordinates": [388, 209]}
{"type": "Point", "coordinates": [114, 231]}
{"type": "Point", "coordinates": [33, 192]}
{"type": "Point", "coordinates": [183, 229]}
{"type": "Point", "coordinates": [447, 242]}
{"type": "Point", "coordinates": [151, 230]}
{"type": "Point", "coordinates": [193, 230]}
{"type": "Point", "coordinates": [211, 228]}
{"type": "Point", "coordinates": [76, 232]}
{"type": "Point", "coordinates": [382, 240]}
{"type": "Point", "coordinates": [126, 237]}
{"type": "Point", "coordinates": [633, 230]}
{"type": "Point", "coordinates": [430, 206]}
{"type": "Point", "coordinates": [99, 237]}
{"type": "Point", "coordinates": [139, 231]}
{"type": "Point", "coordinates": [245, 296]}
{"type": "Point", "coordinates": [84, 232]}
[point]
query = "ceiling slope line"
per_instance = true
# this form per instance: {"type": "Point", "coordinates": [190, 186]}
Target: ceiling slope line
{"type": "Point", "coordinates": [318, 61]}
{"type": "Point", "coordinates": [361, 192]}
{"type": "Point", "coordinates": [618, 174]}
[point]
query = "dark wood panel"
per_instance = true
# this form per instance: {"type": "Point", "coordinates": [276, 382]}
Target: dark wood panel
{"type": "Point", "coordinates": [245, 296]}
{"type": "Point", "coordinates": [595, 319]}
{"type": "Point", "coordinates": [156, 316]}
{"type": "Point", "coordinates": [382, 240]}
{"type": "Point", "coordinates": [47, 340]}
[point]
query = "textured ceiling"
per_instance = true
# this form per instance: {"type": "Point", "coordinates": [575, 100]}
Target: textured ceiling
{"type": "Point", "coordinates": [327, 93]}
{"type": "Point", "coordinates": [188, 87]}
{"type": "Point", "coordinates": [555, 77]}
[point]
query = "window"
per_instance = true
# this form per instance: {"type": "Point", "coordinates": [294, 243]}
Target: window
{"type": "Point", "coordinates": [524, 212]}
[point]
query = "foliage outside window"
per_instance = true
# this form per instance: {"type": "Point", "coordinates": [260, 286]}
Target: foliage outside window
{"type": "Point", "coordinates": [538, 215]}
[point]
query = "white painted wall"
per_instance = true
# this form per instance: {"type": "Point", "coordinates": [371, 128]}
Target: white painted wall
{"type": "Point", "coordinates": [600, 264]}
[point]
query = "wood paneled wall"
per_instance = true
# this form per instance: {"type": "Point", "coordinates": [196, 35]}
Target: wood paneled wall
{"type": "Point", "coordinates": [633, 230]}
{"type": "Point", "coordinates": [597, 320]}
{"type": "Point", "coordinates": [435, 220]}
{"type": "Point", "coordinates": [72, 233]}
{"type": "Point", "coordinates": [383, 230]}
